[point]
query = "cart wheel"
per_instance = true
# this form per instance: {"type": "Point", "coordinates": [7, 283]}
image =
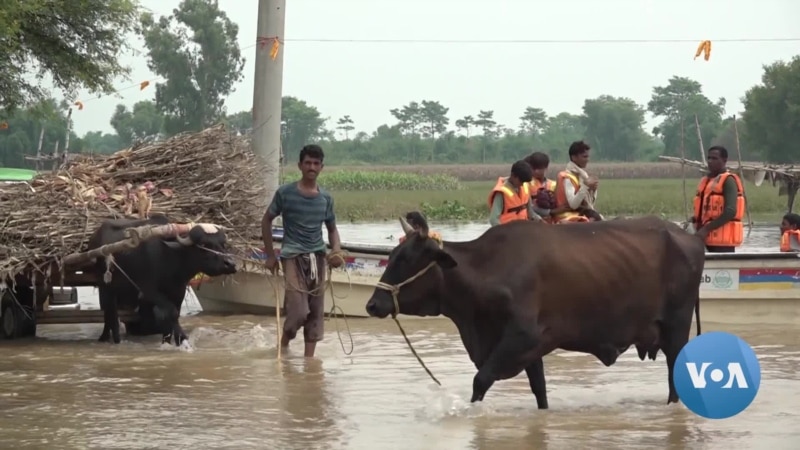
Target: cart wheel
{"type": "Point", "coordinates": [16, 321]}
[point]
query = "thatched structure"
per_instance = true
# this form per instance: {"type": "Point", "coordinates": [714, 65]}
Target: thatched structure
{"type": "Point", "coordinates": [209, 176]}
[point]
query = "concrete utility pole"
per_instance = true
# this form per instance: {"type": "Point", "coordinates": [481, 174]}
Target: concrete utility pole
{"type": "Point", "coordinates": [268, 91]}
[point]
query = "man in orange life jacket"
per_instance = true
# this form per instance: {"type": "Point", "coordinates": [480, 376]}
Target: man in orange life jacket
{"type": "Point", "coordinates": [790, 233]}
{"type": "Point", "coordinates": [510, 198]}
{"type": "Point", "coordinates": [543, 190]}
{"type": "Point", "coordinates": [719, 205]}
{"type": "Point", "coordinates": [576, 191]}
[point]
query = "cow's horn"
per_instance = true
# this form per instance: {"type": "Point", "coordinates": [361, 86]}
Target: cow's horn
{"type": "Point", "coordinates": [406, 227]}
{"type": "Point", "coordinates": [184, 240]}
{"type": "Point", "coordinates": [209, 228]}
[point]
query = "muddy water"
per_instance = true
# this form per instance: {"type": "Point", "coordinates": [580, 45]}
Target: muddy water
{"type": "Point", "coordinates": [228, 390]}
{"type": "Point", "coordinates": [66, 391]}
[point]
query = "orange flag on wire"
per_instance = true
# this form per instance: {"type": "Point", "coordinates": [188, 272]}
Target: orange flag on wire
{"type": "Point", "coordinates": [79, 105]}
{"type": "Point", "coordinates": [705, 49]}
{"type": "Point", "coordinates": [143, 85]}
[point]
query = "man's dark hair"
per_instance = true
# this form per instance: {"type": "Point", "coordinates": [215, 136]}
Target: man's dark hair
{"type": "Point", "coordinates": [793, 219]}
{"type": "Point", "coordinates": [538, 160]}
{"type": "Point", "coordinates": [522, 170]}
{"type": "Point", "coordinates": [313, 151]}
{"type": "Point", "coordinates": [723, 152]}
{"type": "Point", "coordinates": [578, 147]}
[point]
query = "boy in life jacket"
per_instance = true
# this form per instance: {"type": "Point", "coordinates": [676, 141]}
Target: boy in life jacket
{"type": "Point", "coordinates": [790, 233]}
{"type": "Point", "coordinates": [510, 199]}
{"type": "Point", "coordinates": [543, 191]}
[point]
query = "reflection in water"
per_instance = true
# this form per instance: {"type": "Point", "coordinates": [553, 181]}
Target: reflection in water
{"type": "Point", "coordinates": [231, 392]}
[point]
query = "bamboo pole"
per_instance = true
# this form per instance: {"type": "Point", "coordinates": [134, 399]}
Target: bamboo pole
{"type": "Point", "coordinates": [699, 139]}
{"type": "Point", "coordinates": [741, 176]}
{"type": "Point", "coordinates": [134, 236]}
{"type": "Point", "coordinates": [683, 174]}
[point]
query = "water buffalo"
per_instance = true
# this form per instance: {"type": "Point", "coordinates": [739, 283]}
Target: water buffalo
{"type": "Point", "coordinates": [524, 289]}
{"type": "Point", "coordinates": [154, 275]}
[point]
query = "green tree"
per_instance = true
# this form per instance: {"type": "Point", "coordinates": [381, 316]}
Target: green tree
{"type": "Point", "coordinates": [614, 125]}
{"type": "Point", "coordinates": [772, 113]}
{"type": "Point", "coordinates": [301, 124]}
{"type": "Point", "coordinates": [20, 134]}
{"type": "Point", "coordinates": [144, 120]}
{"type": "Point", "coordinates": [76, 43]}
{"type": "Point", "coordinates": [99, 142]}
{"type": "Point", "coordinates": [410, 119]}
{"type": "Point", "coordinates": [240, 122]}
{"type": "Point", "coordinates": [465, 123]}
{"type": "Point", "coordinates": [196, 51]}
{"type": "Point", "coordinates": [345, 124]}
{"type": "Point", "coordinates": [487, 123]}
{"type": "Point", "coordinates": [679, 101]}
{"type": "Point", "coordinates": [534, 121]}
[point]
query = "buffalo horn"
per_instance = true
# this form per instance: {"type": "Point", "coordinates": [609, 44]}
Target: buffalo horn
{"type": "Point", "coordinates": [406, 227]}
{"type": "Point", "coordinates": [184, 240]}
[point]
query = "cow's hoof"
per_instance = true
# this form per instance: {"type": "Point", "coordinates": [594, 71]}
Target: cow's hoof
{"type": "Point", "coordinates": [103, 338]}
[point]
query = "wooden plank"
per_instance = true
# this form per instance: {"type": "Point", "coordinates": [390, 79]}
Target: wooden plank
{"type": "Point", "coordinates": [53, 317]}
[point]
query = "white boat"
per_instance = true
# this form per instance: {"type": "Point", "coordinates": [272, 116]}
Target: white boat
{"type": "Point", "coordinates": [748, 287]}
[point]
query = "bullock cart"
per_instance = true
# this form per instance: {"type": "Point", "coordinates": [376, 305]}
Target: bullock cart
{"type": "Point", "coordinates": [36, 295]}
{"type": "Point", "coordinates": [210, 176]}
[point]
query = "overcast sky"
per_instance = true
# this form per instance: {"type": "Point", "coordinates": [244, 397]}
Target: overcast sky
{"type": "Point", "coordinates": [365, 80]}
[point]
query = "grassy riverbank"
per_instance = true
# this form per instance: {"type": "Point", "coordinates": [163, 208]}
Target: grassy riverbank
{"type": "Point", "coordinates": [482, 172]}
{"type": "Point", "coordinates": [616, 197]}
{"type": "Point", "coordinates": [453, 193]}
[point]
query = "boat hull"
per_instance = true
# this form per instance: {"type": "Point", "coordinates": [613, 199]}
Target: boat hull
{"type": "Point", "coordinates": [737, 288]}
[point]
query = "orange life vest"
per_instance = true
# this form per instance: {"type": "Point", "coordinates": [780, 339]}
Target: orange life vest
{"type": "Point", "coordinates": [561, 198]}
{"type": "Point", "coordinates": [515, 205]}
{"type": "Point", "coordinates": [709, 204]}
{"type": "Point", "coordinates": [536, 185]}
{"type": "Point", "coordinates": [790, 241]}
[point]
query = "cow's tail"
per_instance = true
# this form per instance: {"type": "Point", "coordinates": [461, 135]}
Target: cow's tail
{"type": "Point", "coordinates": [697, 312]}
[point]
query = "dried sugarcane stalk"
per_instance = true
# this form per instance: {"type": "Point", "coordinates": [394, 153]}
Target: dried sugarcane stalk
{"type": "Point", "coordinates": [209, 176]}
{"type": "Point", "coordinates": [135, 236]}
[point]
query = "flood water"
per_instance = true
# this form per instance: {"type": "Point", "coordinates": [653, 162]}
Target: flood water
{"type": "Point", "coordinates": [227, 389]}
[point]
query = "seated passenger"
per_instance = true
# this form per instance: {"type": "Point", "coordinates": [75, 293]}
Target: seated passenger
{"type": "Point", "coordinates": [543, 190]}
{"type": "Point", "coordinates": [790, 233]}
{"type": "Point", "coordinates": [575, 189]}
{"type": "Point", "coordinates": [510, 198]}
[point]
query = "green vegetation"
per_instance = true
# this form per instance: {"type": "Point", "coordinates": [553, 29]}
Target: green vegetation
{"type": "Point", "coordinates": [342, 180]}
{"type": "Point", "coordinates": [662, 197]}
{"type": "Point", "coordinates": [76, 43]}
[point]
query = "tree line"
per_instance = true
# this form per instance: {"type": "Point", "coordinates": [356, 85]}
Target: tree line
{"type": "Point", "coordinates": [195, 51]}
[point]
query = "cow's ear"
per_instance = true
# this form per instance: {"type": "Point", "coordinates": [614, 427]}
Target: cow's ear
{"type": "Point", "coordinates": [173, 244]}
{"type": "Point", "coordinates": [444, 259]}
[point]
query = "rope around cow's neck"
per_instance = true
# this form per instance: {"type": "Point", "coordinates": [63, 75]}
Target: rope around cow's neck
{"type": "Point", "coordinates": [394, 289]}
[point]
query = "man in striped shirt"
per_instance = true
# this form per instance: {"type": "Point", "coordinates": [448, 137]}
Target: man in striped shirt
{"type": "Point", "coordinates": [304, 207]}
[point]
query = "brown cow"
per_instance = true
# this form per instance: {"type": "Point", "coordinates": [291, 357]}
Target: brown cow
{"type": "Point", "coordinates": [524, 289]}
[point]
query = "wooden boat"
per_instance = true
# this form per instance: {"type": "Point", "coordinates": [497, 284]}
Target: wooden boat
{"type": "Point", "coordinates": [737, 287]}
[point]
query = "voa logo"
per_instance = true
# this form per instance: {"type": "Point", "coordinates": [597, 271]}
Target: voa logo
{"type": "Point", "coordinates": [717, 375]}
